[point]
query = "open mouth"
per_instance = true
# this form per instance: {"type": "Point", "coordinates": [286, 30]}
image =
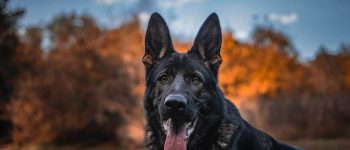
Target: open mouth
{"type": "Point", "coordinates": [177, 137]}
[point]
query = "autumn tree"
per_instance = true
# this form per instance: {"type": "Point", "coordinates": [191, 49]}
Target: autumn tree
{"type": "Point", "coordinates": [80, 94]}
{"type": "Point", "coordinates": [268, 37]}
{"type": "Point", "coordinates": [253, 70]}
{"type": "Point", "coordinates": [8, 66]}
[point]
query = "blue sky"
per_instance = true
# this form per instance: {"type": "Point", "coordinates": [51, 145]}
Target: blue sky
{"type": "Point", "coordinates": [309, 23]}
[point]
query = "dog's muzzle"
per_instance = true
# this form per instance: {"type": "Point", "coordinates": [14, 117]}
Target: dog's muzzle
{"type": "Point", "coordinates": [177, 126]}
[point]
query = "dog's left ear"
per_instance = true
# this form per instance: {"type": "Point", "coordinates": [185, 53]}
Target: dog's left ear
{"type": "Point", "coordinates": [208, 43]}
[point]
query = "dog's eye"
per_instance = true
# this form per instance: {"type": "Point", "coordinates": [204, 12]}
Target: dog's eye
{"type": "Point", "coordinates": [163, 79]}
{"type": "Point", "coordinates": [195, 80]}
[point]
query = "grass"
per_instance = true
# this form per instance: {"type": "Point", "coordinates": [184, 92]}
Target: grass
{"type": "Point", "coordinates": [322, 144]}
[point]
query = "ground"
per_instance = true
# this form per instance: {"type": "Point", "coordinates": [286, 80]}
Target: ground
{"type": "Point", "coordinates": [322, 144]}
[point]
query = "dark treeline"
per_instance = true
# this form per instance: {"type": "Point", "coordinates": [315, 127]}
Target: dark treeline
{"type": "Point", "coordinates": [87, 86]}
{"type": "Point", "coordinates": [83, 88]}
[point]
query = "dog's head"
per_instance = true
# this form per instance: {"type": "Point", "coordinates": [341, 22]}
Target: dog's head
{"type": "Point", "coordinates": [179, 85]}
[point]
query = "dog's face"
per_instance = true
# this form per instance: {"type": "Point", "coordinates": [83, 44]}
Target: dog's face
{"type": "Point", "coordinates": [179, 84]}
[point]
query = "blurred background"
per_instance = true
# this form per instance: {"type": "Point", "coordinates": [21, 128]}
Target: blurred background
{"type": "Point", "coordinates": [71, 75]}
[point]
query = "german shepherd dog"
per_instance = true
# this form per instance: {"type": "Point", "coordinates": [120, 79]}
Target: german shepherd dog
{"type": "Point", "coordinates": [184, 106]}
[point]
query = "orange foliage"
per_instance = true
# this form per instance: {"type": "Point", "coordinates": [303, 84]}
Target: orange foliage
{"type": "Point", "coordinates": [248, 71]}
{"type": "Point", "coordinates": [91, 80]}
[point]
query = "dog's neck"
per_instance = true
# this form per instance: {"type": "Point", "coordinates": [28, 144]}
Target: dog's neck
{"type": "Point", "coordinates": [225, 131]}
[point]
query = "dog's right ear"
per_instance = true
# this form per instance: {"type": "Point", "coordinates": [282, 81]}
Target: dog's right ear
{"type": "Point", "coordinates": [157, 41]}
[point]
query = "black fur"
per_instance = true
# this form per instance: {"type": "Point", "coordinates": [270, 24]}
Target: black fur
{"type": "Point", "coordinates": [193, 78]}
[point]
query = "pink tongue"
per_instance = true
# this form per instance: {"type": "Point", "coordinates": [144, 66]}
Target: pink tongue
{"type": "Point", "coordinates": [175, 141]}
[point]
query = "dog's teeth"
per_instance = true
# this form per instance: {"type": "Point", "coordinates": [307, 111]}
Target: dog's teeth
{"type": "Point", "coordinates": [166, 125]}
{"type": "Point", "coordinates": [190, 128]}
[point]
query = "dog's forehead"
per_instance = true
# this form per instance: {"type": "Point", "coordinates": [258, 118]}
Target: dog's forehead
{"type": "Point", "coordinates": [185, 61]}
{"type": "Point", "coordinates": [180, 63]}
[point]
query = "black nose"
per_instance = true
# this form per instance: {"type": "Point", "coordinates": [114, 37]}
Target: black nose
{"type": "Point", "coordinates": [175, 102]}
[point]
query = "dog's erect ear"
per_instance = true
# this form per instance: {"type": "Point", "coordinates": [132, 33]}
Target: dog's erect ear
{"type": "Point", "coordinates": [157, 41]}
{"type": "Point", "coordinates": [208, 42]}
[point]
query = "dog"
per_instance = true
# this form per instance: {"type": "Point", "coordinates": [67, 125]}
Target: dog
{"type": "Point", "coordinates": [185, 108]}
